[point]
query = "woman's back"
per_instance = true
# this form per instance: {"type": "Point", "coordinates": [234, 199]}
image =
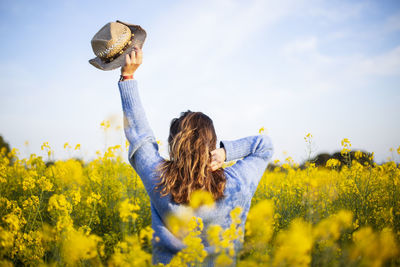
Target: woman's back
{"type": "Point", "coordinates": [238, 181]}
{"type": "Point", "coordinates": [241, 178]}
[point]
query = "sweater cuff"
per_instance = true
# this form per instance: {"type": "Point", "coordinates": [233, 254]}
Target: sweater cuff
{"type": "Point", "coordinates": [231, 152]}
{"type": "Point", "coordinates": [127, 85]}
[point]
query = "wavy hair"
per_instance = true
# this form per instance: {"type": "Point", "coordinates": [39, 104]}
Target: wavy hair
{"type": "Point", "coordinates": [191, 139]}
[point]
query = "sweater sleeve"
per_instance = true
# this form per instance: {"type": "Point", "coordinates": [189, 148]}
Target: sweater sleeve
{"type": "Point", "coordinates": [143, 148]}
{"type": "Point", "coordinates": [256, 151]}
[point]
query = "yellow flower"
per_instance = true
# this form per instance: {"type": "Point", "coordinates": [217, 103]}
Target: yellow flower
{"type": "Point", "coordinates": [358, 154]}
{"type": "Point", "coordinates": [127, 144]}
{"type": "Point", "coordinates": [76, 196]}
{"type": "Point", "coordinates": [79, 246]}
{"type": "Point", "coordinates": [308, 138]}
{"type": "Point", "coordinates": [93, 198]}
{"type": "Point", "coordinates": [31, 202]}
{"type": "Point", "coordinates": [45, 184]}
{"type": "Point", "coordinates": [146, 234]}
{"type": "Point", "coordinates": [128, 211]}
{"type": "Point", "coordinates": [235, 215]}
{"type": "Point", "coordinates": [199, 198]}
{"type": "Point", "coordinates": [178, 222]}
{"type": "Point", "coordinates": [12, 221]}
{"type": "Point", "coordinates": [293, 247]}
{"type": "Point", "coordinates": [345, 142]}
{"type": "Point", "coordinates": [331, 227]}
{"type": "Point", "coordinates": [260, 222]}
{"type": "Point", "coordinates": [214, 236]}
{"type": "Point", "coordinates": [345, 151]}
{"type": "Point", "coordinates": [67, 146]}
{"type": "Point", "coordinates": [6, 239]}
{"type": "Point", "coordinates": [28, 183]}
{"type": "Point", "coordinates": [193, 254]}
{"type": "Point", "coordinates": [130, 253]}
{"type": "Point", "coordinates": [105, 124]}
{"type": "Point", "coordinates": [223, 260]}
{"type": "Point", "coordinates": [59, 203]}
{"type": "Point", "coordinates": [333, 163]}
{"type": "Point", "coordinates": [69, 172]}
{"type": "Point", "coordinates": [374, 248]}
{"type": "Point", "coordinates": [45, 145]}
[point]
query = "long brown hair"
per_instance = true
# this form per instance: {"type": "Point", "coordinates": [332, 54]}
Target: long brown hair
{"type": "Point", "coordinates": [191, 139]}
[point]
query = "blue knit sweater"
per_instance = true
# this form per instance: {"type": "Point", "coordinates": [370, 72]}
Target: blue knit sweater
{"type": "Point", "coordinates": [242, 177]}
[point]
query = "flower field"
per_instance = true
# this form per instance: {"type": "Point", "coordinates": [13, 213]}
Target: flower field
{"type": "Point", "coordinates": [95, 213]}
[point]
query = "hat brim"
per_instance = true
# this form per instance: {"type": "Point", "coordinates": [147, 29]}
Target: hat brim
{"type": "Point", "coordinates": [138, 40]}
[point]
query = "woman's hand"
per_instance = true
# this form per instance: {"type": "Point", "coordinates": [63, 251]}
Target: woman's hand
{"type": "Point", "coordinates": [218, 157]}
{"type": "Point", "coordinates": [132, 62]}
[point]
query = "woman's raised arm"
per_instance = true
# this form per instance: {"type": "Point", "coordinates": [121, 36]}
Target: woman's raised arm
{"type": "Point", "coordinates": [256, 151]}
{"type": "Point", "coordinates": [143, 149]}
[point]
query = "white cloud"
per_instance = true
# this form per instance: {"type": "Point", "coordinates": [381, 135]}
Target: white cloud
{"type": "Point", "coordinates": [197, 37]}
{"type": "Point", "coordinates": [333, 11]}
{"type": "Point", "coordinates": [301, 46]}
{"type": "Point", "coordinates": [387, 63]}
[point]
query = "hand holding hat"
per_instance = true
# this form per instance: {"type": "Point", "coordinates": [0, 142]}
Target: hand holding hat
{"type": "Point", "coordinates": [132, 62]}
{"type": "Point", "coordinates": [113, 42]}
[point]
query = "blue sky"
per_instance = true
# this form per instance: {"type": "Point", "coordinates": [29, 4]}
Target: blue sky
{"type": "Point", "coordinates": [331, 68]}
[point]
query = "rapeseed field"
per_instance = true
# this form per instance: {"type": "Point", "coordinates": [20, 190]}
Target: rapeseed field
{"type": "Point", "coordinates": [97, 213]}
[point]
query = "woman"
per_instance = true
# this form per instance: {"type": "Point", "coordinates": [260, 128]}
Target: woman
{"type": "Point", "coordinates": [195, 163]}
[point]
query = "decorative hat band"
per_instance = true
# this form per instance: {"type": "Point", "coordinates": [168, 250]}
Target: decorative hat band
{"type": "Point", "coordinates": [118, 48]}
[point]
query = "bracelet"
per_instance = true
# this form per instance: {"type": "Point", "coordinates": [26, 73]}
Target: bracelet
{"type": "Point", "coordinates": [125, 77]}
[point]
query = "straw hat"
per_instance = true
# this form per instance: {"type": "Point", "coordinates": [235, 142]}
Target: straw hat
{"type": "Point", "coordinates": [112, 42]}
